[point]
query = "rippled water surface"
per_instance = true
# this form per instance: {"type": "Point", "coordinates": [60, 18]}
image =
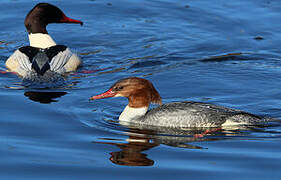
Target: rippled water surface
{"type": "Point", "coordinates": [222, 52]}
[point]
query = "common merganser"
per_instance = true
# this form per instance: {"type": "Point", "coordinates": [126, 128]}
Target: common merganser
{"type": "Point", "coordinates": [43, 55]}
{"type": "Point", "coordinates": [141, 92]}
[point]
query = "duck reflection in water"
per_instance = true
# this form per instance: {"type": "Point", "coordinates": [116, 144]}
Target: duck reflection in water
{"type": "Point", "coordinates": [131, 153]}
{"type": "Point", "coordinates": [143, 138]}
{"type": "Point", "coordinates": [44, 96]}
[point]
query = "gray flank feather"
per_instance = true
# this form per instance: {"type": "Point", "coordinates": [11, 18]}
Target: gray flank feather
{"type": "Point", "coordinates": [58, 62]}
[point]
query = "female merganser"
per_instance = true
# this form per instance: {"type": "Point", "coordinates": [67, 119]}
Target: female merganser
{"type": "Point", "coordinates": [140, 93]}
{"type": "Point", "coordinates": [43, 55]}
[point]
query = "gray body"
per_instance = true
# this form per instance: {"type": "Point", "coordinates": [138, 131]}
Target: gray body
{"type": "Point", "coordinates": [195, 114]}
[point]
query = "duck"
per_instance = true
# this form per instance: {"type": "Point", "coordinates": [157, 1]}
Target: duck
{"type": "Point", "coordinates": [43, 56]}
{"type": "Point", "coordinates": [187, 114]}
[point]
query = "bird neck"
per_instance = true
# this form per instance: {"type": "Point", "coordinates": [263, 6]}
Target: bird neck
{"type": "Point", "coordinates": [130, 113]}
{"type": "Point", "coordinates": [41, 40]}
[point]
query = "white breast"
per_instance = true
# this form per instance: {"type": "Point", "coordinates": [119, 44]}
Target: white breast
{"type": "Point", "coordinates": [41, 40]}
{"type": "Point", "coordinates": [131, 113]}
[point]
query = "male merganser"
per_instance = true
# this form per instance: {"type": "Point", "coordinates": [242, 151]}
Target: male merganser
{"type": "Point", "coordinates": [43, 55]}
{"type": "Point", "coordinates": [140, 93]}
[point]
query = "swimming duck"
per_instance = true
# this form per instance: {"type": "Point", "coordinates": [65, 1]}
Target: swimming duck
{"type": "Point", "coordinates": [141, 92]}
{"type": "Point", "coordinates": [43, 54]}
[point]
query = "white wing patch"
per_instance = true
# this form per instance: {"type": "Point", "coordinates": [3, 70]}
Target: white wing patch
{"type": "Point", "coordinates": [23, 60]}
{"type": "Point", "coordinates": [58, 62]}
{"type": "Point", "coordinates": [18, 62]}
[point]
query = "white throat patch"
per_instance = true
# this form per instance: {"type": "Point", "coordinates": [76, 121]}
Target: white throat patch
{"type": "Point", "coordinates": [130, 113]}
{"type": "Point", "coordinates": [41, 40]}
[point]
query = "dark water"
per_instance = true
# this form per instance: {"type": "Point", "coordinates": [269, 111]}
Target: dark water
{"type": "Point", "coordinates": [222, 52]}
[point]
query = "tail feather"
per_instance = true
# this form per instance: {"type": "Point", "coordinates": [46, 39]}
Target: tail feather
{"type": "Point", "coordinates": [40, 63]}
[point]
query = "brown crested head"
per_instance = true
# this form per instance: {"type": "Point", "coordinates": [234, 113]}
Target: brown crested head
{"type": "Point", "coordinates": [43, 14]}
{"type": "Point", "coordinates": [140, 92]}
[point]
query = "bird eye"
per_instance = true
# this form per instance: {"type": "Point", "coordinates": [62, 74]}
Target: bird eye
{"type": "Point", "coordinates": [118, 88]}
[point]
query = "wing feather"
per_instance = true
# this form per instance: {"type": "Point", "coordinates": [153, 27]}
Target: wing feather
{"type": "Point", "coordinates": [23, 60]}
{"type": "Point", "coordinates": [58, 62]}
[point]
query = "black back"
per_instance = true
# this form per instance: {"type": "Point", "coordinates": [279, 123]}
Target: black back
{"type": "Point", "coordinates": [54, 50]}
{"type": "Point", "coordinates": [29, 51]}
{"type": "Point", "coordinates": [50, 52]}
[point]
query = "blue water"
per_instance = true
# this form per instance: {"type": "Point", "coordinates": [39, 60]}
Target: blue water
{"type": "Point", "coordinates": [221, 52]}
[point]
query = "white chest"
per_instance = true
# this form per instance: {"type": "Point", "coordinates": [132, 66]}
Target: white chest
{"type": "Point", "coordinates": [131, 113]}
{"type": "Point", "coordinates": [41, 40]}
